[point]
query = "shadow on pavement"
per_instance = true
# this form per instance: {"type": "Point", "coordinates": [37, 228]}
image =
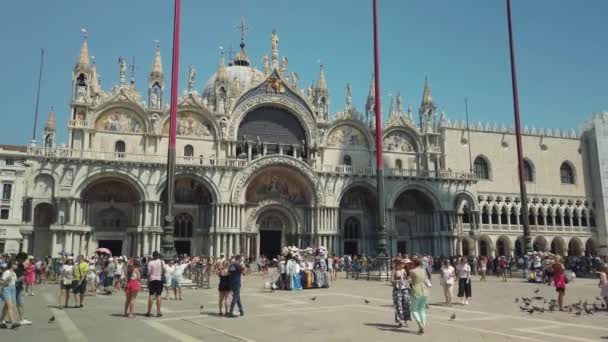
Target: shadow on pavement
{"type": "Point", "coordinates": [390, 327]}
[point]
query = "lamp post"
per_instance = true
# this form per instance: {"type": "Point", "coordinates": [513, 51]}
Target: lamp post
{"type": "Point", "coordinates": [381, 243]}
{"type": "Point", "coordinates": [167, 241]}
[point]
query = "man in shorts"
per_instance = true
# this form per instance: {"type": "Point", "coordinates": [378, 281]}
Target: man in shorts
{"type": "Point", "coordinates": [80, 281]}
{"type": "Point", "coordinates": [155, 283]}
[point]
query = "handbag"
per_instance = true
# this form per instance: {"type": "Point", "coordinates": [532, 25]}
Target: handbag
{"type": "Point", "coordinates": [163, 279]}
{"type": "Point", "coordinates": [427, 281]}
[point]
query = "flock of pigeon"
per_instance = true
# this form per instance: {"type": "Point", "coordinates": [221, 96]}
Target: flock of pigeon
{"type": "Point", "coordinates": [539, 304]}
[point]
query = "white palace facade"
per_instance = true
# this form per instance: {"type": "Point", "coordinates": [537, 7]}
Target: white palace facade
{"type": "Point", "coordinates": [261, 164]}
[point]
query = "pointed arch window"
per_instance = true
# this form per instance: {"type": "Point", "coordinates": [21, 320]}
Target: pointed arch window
{"type": "Point", "coordinates": [347, 161]}
{"type": "Point", "coordinates": [183, 225]}
{"type": "Point", "coordinates": [188, 152]}
{"type": "Point", "coordinates": [119, 149]}
{"type": "Point", "coordinates": [481, 168]}
{"type": "Point", "coordinates": [81, 81]}
{"type": "Point", "coordinates": [528, 171]}
{"type": "Point", "coordinates": [566, 173]}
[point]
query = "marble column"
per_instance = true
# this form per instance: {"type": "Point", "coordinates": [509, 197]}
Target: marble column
{"type": "Point", "coordinates": [230, 246]}
{"type": "Point", "coordinates": [257, 245]}
{"type": "Point", "coordinates": [217, 245]}
{"type": "Point", "coordinates": [138, 243]}
{"type": "Point", "coordinates": [53, 243]}
{"type": "Point", "coordinates": [238, 244]}
{"type": "Point", "coordinates": [26, 243]}
{"type": "Point", "coordinates": [68, 244]}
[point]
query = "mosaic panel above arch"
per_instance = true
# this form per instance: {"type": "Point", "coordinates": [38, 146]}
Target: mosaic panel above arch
{"type": "Point", "coordinates": [346, 136]}
{"type": "Point", "coordinates": [281, 183]}
{"type": "Point", "coordinates": [190, 124]}
{"type": "Point", "coordinates": [119, 120]}
{"type": "Point", "coordinates": [398, 142]}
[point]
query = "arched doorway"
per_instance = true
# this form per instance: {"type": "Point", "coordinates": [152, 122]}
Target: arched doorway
{"type": "Point", "coordinates": [271, 225]}
{"type": "Point", "coordinates": [575, 247]}
{"type": "Point", "coordinates": [352, 235]}
{"type": "Point", "coordinates": [278, 197]}
{"type": "Point", "coordinates": [484, 248]}
{"type": "Point", "coordinates": [182, 233]}
{"type": "Point", "coordinates": [467, 247]}
{"type": "Point", "coordinates": [558, 246]}
{"type": "Point", "coordinates": [112, 206]}
{"type": "Point", "coordinates": [414, 222]}
{"type": "Point", "coordinates": [539, 244]}
{"type": "Point", "coordinates": [519, 246]}
{"type": "Point", "coordinates": [44, 216]}
{"type": "Point", "coordinates": [357, 214]}
{"type": "Point", "coordinates": [590, 247]}
{"type": "Point", "coordinates": [503, 246]}
{"type": "Point", "coordinates": [193, 216]}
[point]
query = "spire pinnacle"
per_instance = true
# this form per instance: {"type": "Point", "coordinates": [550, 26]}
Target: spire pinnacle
{"type": "Point", "coordinates": [83, 56]}
{"type": "Point", "coordinates": [322, 84]}
{"type": "Point", "coordinates": [372, 88]}
{"type": "Point", "coordinates": [427, 98]}
{"type": "Point", "coordinates": [221, 68]}
{"type": "Point", "coordinates": [241, 57]}
{"type": "Point", "coordinates": [50, 121]}
{"type": "Point", "coordinates": [156, 75]}
{"type": "Point", "coordinates": [95, 86]}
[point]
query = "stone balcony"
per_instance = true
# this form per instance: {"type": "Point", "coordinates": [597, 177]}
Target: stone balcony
{"type": "Point", "coordinates": [205, 162]}
{"type": "Point", "coordinates": [534, 229]}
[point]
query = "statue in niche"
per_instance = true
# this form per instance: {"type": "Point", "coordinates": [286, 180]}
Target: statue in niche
{"type": "Point", "coordinates": [265, 63]}
{"type": "Point", "coordinates": [313, 152]}
{"type": "Point", "coordinates": [243, 148]}
{"type": "Point", "coordinates": [258, 146]}
{"type": "Point", "coordinates": [284, 62]}
{"type": "Point", "coordinates": [223, 126]}
{"type": "Point", "coordinates": [303, 149]}
{"type": "Point", "coordinates": [81, 93]}
{"type": "Point", "coordinates": [155, 121]}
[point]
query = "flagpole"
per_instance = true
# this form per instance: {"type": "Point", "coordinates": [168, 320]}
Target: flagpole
{"type": "Point", "coordinates": [520, 160]}
{"type": "Point", "coordinates": [167, 241]}
{"type": "Point", "coordinates": [381, 243]}
{"type": "Point", "coordinates": [33, 142]}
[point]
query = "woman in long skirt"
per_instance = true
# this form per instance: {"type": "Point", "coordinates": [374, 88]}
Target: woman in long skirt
{"type": "Point", "coordinates": [420, 292]}
{"type": "Point", "coordinates": [401, 293]}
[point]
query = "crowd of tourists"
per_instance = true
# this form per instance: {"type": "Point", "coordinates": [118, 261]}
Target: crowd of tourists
{"type": "Point", "coordinates": [296, 269]}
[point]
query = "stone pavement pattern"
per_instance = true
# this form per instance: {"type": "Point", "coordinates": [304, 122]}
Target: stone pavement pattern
{"type": "Point", "coordinates": [338, 314]}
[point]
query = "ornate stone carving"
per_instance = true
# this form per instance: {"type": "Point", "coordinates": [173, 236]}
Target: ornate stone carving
{"type": "Point", "coordinates": [191, 124]}
{"type": "Point", "coordinates": [68, 177]}
{"type": "Point", "coordinates": [119, 120]}
{"type": "Point", "coordinates": [243, 177]}
{"type": "Point", "coordinates": [399, 142]}
{"type": "Point", "coordinates": [346, 136]}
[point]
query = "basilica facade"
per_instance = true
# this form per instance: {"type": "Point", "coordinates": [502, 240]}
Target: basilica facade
{"type": "Point", "coordinates": [262, 163]}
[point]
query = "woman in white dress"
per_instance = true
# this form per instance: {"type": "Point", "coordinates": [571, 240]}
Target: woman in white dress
{"type": "Point", "coordinates": [448, 277]}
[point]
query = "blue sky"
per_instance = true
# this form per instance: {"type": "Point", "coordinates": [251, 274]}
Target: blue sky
{"type": "Point", "coordinates": [461, 46]}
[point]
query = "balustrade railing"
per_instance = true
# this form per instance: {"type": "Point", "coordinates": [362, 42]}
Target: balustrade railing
{"type": "Point", "coordinates": [235, 163]}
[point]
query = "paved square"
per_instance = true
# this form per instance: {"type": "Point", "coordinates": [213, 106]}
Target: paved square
{"type": "Point", "coordinates": [338, 314]}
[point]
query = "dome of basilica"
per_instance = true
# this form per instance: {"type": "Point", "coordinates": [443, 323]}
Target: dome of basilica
{"type": "Point", "coordinates": [244, 74]}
